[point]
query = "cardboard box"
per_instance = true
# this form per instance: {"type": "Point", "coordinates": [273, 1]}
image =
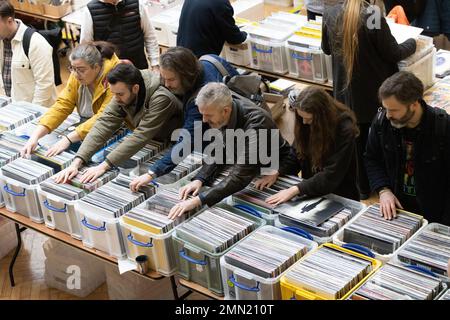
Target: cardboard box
{"type": "Point", "coordinates": [57, 11]}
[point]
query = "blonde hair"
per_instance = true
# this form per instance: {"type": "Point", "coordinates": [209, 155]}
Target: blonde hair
{"type": "Point", "coordinates": [351, 24]}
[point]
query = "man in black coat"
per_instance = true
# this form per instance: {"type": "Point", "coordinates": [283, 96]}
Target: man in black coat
{"type": "Point", "coordinates": [408, 152]}
{"type": "Point", "coordinates": [205, 25]}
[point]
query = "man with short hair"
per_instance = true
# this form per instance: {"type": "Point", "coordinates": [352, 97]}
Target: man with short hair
{"type": "Point", "coordinates": [183, 74]}
{"type": "Point", "coordinates": [408, 152]}
{"type": "Point", "coordinates": [24, 78]}
{"type": "Point", "coordinates": [246, 134]}
{"type": "Point", "coordinates": [147, 108]}
{"type": "Point", "coordinates": [126, 24]}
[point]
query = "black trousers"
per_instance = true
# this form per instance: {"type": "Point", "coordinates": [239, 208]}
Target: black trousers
{"type": "Point", "coordinates": [361, 141]}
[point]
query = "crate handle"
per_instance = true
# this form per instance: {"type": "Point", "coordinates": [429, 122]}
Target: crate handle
{"type": "Point", "coordinates": [92, 227]}
{"type": "Point", "coordinates": [51, 208]}
{"type": "Point", "coordinates": [298, 231]}
{"type": "Point", "coordinates": [298, 57]}
{"type": "Point", "coordinates": [140, 244]}
{"type": "Point", "coordinates": [156, 184]}
{"type": "Point", "coordinates": [262, 50]}
{"type": "Point", "coordinates": [190, 259]}
{"type": "Point", "coordinates": [14, 193]}
{"type": "Point", "coordinates": [248, 209]}
{"type": "Point", "coordinates": [358, 248]}
{"type": "Point", "coordinates": [243, 286]}
{"type": "Point", "coordinates": [421, 269]}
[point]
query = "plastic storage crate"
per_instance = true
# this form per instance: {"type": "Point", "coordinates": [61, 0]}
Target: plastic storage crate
{"type": "Point", "coordinates": [60, 214]}
{"type": "Point", "coordinates": [21, 198]}
{"type": "Point", "coordinates": [338, 238]}
{"type": "Point", "coordinates": [356, 208]}
{"type": "Point", "coordinates": [240, 284]}
{"type": "Point", "coordinates": [427, 263]}
{"type": "Point", "coordinates": [305, 59]}
{"type": "Point", "coordinates": [200, 266]}
{"type": "Point", "coordinates": [172, 34]}
{"type": "Point", "coordinates": [267, 49]}
{"type": "Point", "coordinates": [290, 291]}
{"type": "Point", "coordinates": [423, 68]}
{"type": "Point", "coordinates": [8, 239]}
{"type": "Point", "coordinates": [237, 54]}
{"type": "Point", "coordinates": [282, 3]}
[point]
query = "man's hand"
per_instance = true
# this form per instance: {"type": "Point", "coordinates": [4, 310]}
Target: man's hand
{"type": "Point", "coordinates": [93, 173]}
{"type": "Point", "coordinates": [59, 147]}
{"type": "Point", "coordinates": [28, 148]}
{"type": "Point", "coordinates": [388, 204]}
{"type": "Point", "coordinates": [266, 181]}
{"type": "Point", "coordinates": [140, 181]}
{"type": "Point", "coordinates": [191, 188]}
{"type": "Point", "coordinates": [183, 207]}
{"type": "Point", "coordinates": [69, 173]}
{"type": "Point", "coordinates": [283, 196]}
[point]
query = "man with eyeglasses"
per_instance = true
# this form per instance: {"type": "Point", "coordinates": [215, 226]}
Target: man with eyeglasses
{"type": "Point", "coordinates": [24, 77]}
{"type": "Point", "coordinates": [143, 105]}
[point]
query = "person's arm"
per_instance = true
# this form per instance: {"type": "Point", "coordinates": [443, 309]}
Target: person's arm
{"type": "Point", "coordinates": [387, 46]}
{"type": "Point", "coordinates": [165, 164]}
{"type": "Point", "coordinates": [335, 167]}
{"type": "Point", "coordinates": [230, 31]}
{"type": "Point", "coordinates": [150, 39]}
{"type": "Point", "coordinates": [290, 164]}
{"type": "Point", "coordinates": [105, 126]}
{"type": "Point", "coordinates": [63, 106]}
{"type": "Point", "coordinates": [325, 39]}
{"type": "Point", "coordinates": [87, 27]}
{"type": "Point", "coordinates": [41, 64]}
{"type": "Point", "coordinates": [162, 108]}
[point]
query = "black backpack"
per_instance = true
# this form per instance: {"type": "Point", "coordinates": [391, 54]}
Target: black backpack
{"type": "Point", "coordinates": [54, 38]}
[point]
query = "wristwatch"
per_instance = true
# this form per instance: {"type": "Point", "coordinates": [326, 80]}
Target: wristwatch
{"type": "Point", "coordinates": [151, 173]}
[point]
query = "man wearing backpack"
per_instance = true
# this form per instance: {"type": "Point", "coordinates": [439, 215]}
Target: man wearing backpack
{"type": "Point", "coordinates": [184, 75]}
{"type": "Point", "coordinates": [408, 152]}
{"type": "Point", "coordinates": [24, 78]}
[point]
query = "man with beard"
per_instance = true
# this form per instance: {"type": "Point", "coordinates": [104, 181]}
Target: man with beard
{"type": "Point", "coordinates": [183, 74]}
{"type": "Point", "coordinates": [408, 152]}
{"type": "Point", "coordinates": [147, 108]}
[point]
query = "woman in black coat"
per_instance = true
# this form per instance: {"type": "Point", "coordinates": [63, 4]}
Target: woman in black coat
{"type": "Point", "coordinates": [324, 149]}
{"type": "Point", "coordinates": [364, 54]}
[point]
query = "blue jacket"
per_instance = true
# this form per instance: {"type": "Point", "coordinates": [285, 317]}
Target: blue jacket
{"type": "Point", "coordinates": [435, 18]}
{"type": "Point", "coordinates": [191, 113]}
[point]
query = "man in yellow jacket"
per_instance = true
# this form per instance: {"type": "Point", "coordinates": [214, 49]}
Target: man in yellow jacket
{"type": "Point", "coordinates": [87, 90]}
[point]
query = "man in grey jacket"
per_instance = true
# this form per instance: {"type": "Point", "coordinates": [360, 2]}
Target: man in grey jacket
{"type": "Point", "coordinates": [147, 108]}
{"type": "Point", "coordinates": [245, 136]}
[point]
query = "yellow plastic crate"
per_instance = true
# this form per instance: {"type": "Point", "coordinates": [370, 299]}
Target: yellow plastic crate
{"type": "Point", "coordinates": [293, 292]}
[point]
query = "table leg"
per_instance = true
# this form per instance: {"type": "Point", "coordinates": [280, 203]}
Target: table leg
{"type": "Point", "coordinates": [16, 253]}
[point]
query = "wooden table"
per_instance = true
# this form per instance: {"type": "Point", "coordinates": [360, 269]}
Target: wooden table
{"type": "Point", "coordinates": [198, 288]}
{"type": "Point", "coordinates": [27, 223]}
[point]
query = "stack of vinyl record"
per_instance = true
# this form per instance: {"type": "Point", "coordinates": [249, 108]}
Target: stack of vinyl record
{"type": "Point", "coordinates": [4, 100]}
{"type": "Point", "coordinates": [145, 154]}
{"type": "Point", "coordinates": [68, 125]}
{"type": "Point", "coordinates": [7, 154]}
{"type": "Point", "coordinates": [370, 229]}
{"type": "Point", "coordinates": [225, 172]}
{"type": "Point", "coordinates": [185, 167]}
{"type": "Point", "coordinates": [319, 216]}
{"type": "Point", "coordinates": [393, 282]}
{"type": "Point", "coordinates": [328, 273]}
{"type": "Point", "coordinates": [18, 113]}
{"type": "Point", "coordinates": [74, 189]}
{"type": "Point", "coordinates": [57, 162]}
{"type": "Point", "coordinates": [116, 196]}
{"type": "Point", "coordinates": [445, 296]}
{"type": "Point", "coordinates": [266, 254]}
{"type": "Point", "coordinates": [11, 141]}
{"type": "Point", "coordinates": [101, 154]}
{"type": "Point", "coordinates": [430, 248]}
{"type": "Point", "coordinates": [27, 171]}
{"type": "Point", "coordinates": [215, 229]}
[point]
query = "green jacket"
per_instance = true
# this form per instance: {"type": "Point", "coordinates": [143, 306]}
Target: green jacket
{"type": "Point", "coordinates": [148, 121]}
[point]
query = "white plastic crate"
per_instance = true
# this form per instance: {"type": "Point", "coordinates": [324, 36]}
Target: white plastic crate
{"type": "Point", "coordinates": [99, 230]}
{"type": "Point", "coordinates": [8, 240]}
{"type": "Point", "coordinates": [305, 59]}
{"type": "Point", "coordinates": [240, 284]}
{"type": "Point", "coordinates": [283, 3]}
{"type": "Point", "coordinates": [356, 208]}
{"type": "Point", "coordinates": [172, 34]}
{"type": "Point", "coordinates": [249, 9]}
{"type": "Point", "coordinates": [338, 239]}
{"type": "Point", "coordinates": [157, 247]}
{"type": "Point", "coordinates": [161, 23]}
{"type": "Point", "coordinates": [267, 49]}
{"type": "Point", "coordinates": [424, 68]}
{"type": "Point", "coordinates": [21, 198]}
{"type": "Point", "coordinates": [237, 54]}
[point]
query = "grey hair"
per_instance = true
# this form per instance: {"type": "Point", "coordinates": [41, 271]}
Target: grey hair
{"type": "Point", "coordinates": [87, 52]}
{"type": "Point", "coordinates": [214, 94]}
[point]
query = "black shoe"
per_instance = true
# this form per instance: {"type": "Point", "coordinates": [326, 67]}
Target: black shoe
{"type": "Point", "coordinates": [364, 196]}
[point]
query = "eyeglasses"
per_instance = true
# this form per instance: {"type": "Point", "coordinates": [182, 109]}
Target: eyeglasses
{"type": "Point", "coordinates": [77, 70]}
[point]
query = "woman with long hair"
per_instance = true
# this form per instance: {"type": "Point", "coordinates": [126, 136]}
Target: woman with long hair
{"type": "Point", "coordinates": [324, 149]}
{"type": "Point", "coordinates": [87, 90]}
{"type": "Point", "coordinates": [364, 54]}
